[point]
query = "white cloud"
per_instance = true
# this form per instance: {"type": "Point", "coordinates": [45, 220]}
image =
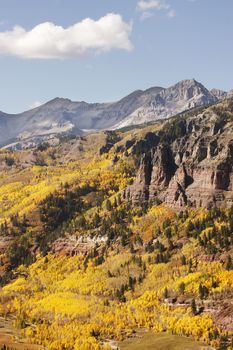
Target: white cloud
{"type": "Point", "coordinates": [146, 7]}
{"type": "Point", "coordinates": [47, 40]}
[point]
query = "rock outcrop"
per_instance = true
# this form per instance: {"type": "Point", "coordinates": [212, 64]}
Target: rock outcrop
{"type": "Point", "coordinates": [193, 166]}
{"type": "Point", "coordinates": [70, 246]}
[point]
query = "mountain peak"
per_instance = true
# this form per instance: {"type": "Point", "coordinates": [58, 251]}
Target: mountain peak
{"type": "Point", "coordinates": [59, 100]}
{"type": "Point", "coordinates": [63, 115]}
{"type": "Point", "coordinates": [188, 83]}
{"type": "Point", "coordinates": [220, 94]}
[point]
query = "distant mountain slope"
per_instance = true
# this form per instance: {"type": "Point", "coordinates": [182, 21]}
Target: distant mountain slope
{"type": "Point", "coordinates": [183, 96]}
{"type": "Point", "coordinates": [60, 115]}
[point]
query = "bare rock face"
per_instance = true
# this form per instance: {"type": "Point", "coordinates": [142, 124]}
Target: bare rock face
{"type": "Point", "coordinates": [220, 94]}
{"type": "Point", "coordinates": [140, 189]}
{"type": "Point", "coordinates": [177, 186]}
{"type": "Point", "coordinates": [163, 167]}
{"type": "Point", "coordinates": [81, 245]}
{"type": "Point", "coordinates": [193, 166]}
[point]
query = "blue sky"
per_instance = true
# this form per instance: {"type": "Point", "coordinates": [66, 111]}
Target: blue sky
{"type": "Point", "coordinates": [125, 45]}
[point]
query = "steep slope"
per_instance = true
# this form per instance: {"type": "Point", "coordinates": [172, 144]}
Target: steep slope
{"type": "Point", "coordinates": [183, 96]}
{"type": "Point", "coordinates": [89, 256]}
{"type": "Point", "coordinates": [62, 116]}
{"type": "Point", "coordinates": [189, 162]}
{"type": "Point", "coordinates": [220, 94]}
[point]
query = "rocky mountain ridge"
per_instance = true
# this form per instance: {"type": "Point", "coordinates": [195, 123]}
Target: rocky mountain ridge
{"type": "Point", "coordinates": [190, 162]}
{"type": "Point", "coordinates": [63, 116]}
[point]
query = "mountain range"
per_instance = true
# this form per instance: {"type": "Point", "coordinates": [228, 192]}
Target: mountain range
{"type": "Point", "coordinates": [63, 116]}
{"type": "Point", "coordinates": [121, 234]}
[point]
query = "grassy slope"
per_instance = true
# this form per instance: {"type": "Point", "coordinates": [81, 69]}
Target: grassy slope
{"type": "Point", "coordinates": [152, 341]}
{"type": "Point", "coordinates": [11, 338]}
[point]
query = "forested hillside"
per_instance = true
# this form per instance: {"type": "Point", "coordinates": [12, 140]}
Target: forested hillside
{"type": "Point", "coordinates": [111, 233]}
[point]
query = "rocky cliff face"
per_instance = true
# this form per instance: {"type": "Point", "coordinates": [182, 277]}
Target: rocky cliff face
{"type": "Point", "coordinates": [192, 163]}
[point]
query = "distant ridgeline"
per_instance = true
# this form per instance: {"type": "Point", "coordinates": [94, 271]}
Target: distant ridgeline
{"type": "Point", "coordinates": [61, 117]}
